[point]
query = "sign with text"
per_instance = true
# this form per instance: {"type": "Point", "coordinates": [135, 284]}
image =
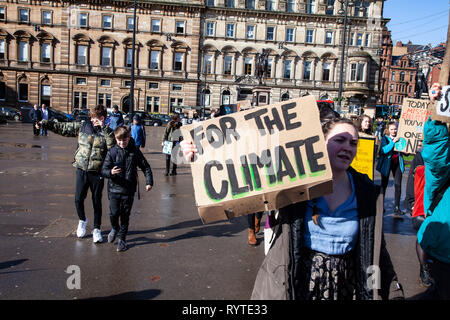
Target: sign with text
{"type": "Point", "coordinates": [415, 113]}
{"type": "Point", "coordinates": [365, 156]}
{"type": "Point", "coordinates": [441, 111]}
{"type": "Point", "coordinates": [259, 159]}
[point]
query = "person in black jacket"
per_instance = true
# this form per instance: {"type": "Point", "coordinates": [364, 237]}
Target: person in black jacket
{"type": "Point", "coordinates": [36, 117]}
{"type": "Point", "coordinates": [120, 167]}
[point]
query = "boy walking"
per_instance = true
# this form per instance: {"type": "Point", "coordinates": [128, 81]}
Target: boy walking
{"type": "Point", "coordinates": [120, 167]}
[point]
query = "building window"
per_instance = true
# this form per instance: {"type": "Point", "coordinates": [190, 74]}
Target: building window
{"type": "Point", "coordinates": [153, 104]}
{"type": "Point", "coordinates": [81, 54]}
{"type": "Point", "coordinates": [402, 76]}
{"type": "Point", "coordinates": [24, 15]}
{"type": "Point", "coordinates": [104, 99]}
{"type": "Point", "coordinates": [329, 10]}
{"type": "Point", "coordinates": [290, 6]}
{"type": "Point", "coordinates": [82, 20]}
{"type": "Point", "coordinates": [23, 92]}
{"type": "Point", "coordinates": [2, 49]}
{"type": "Point", "coordinates": [174, 103]}
{"type": "Point", "coordinates": [127, 83]}
{"type": "Point", "coordinates": [130, 23]}
{"type": "Point", "coordinates": [177, 87]}
{"type": "Point", "coordinates": [366, 42]}
{"type": "Point", "coordinates": [206, 97]}
{"type": "Point", "coordinates": [269, 67]}
{"type": "Point", "coordinates": [328, 37]}
{"type": "Point", "coordinates": [23, 51]}
{"type": "Point", "coordinates": [250, 4]}
{"type": "Point", "coordinates": [359, 38]}
{"type": "Point", "coordinates": [248, 63]}
{"type": "Point", "coordinates": [105, 83]}
{"type": "Point", "coordinates": [287, 67]}
{"type": "Point", "coordinates": [208, 64]}
{"type": "Point", "coordinates": [311, 7]}
{"type": "Point", "coordinates": [180, 27]}
{"type": "Point", "coordinates": [2, 13]}
{"type": "Point", "coordinates": [107, 22]}
{"type": "Point", "coordinates": [209, 29]}
{"type": "Point", "coordinates": [154, 60]}
{"type": "Point", "coordinates": [156, 25]}
{"type": "Point", "coordinates": [46, 17]}
{"type": "Point", "coordinates": [270, 5]}
{"type": "Point", "coordinates": [393, 76]}
{"type": "Point", "coordinates": [45, 52]}
{"type": "Point", "coordinates": [153, 85]}
{"type": "Point", "coordinates": [229, 3]}
{"type": "Point", "coordinates": [210, 3]}
{"type": "Point", "coordinates": [129, 58]}
{"type": "Point", "coordinates": [230, 30]}
{"type": "Point", "coordinates": [228, 61]}
{"type": "Point", "coordinates": [361, 8]}
{"type": "Point", "coordinates": [270, 33]}
{"type": "Point", "coordinates": [391, 87]}
{"type": "Point", "coordinates": [307, 70]}
{"type": "Point", "coordinates": [357, 72]}
{"type": "Point", "coordinates": [309, 36]}
{"type": "Point", "coordinates": [326, 71]}
{"type": "Point", "coordinates": [226, 97]}
{"type": "Point", "coordinates": [106, 56]}
{"type": "Point", "coordinates": [178, 61]}
{"type": "Point", "coordinates": [250, 34]}
{"type": "Point", "coordinates": [289, 35]}
{"type": "Point", "coordinates": [80, 100]}
{"type": "Point", "coordinates": [285, 96]}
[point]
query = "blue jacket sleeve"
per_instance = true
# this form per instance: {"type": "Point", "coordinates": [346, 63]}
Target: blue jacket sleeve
{"type": "Point", "coordinates": [436, 157]}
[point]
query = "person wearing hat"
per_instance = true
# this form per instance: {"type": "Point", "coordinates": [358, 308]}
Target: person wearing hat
{"type": "Point", "coordinates": [137, 131]}
{"type": "Point", "coordinates": [115, 119]}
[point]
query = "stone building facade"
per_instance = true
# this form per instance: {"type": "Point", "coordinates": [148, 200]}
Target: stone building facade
{"type": "Point", "coordinates": [200, 53]}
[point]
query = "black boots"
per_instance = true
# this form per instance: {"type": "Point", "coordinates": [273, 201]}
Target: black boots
{"type": "Point", "coordinates": [425, 276]}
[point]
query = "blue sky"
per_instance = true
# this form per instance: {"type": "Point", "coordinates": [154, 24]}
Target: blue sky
{"type": "Point", "coordinates": [421, 21]}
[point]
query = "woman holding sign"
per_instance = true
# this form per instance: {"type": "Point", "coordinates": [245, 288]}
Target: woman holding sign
{"type": "Point", "coordinates": [324, 248]}
{"type": "Point", "coordinates": [391, 161]}
{"type": "Point", "coordinates": [172, 136]}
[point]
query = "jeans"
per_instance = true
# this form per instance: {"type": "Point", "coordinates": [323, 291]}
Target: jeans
{"type": "Point", "coordinates": [86, 180]}
{"type": "Point", "coordinates": [120, 206]}
{"type": "Point", "coordinates": [397, 173]}
{"type": "Point", "coordinates": [168, 161]}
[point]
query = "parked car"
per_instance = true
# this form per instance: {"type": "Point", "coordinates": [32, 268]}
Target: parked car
{"type": "Point", "coordinates": [146, 118]}
{"type": "Point", "coordinates": [2, 119]}
{"type": "Point", "coordinates": [25, 110]}
{"type": "Point", "coordinates": [79, 115]}
{"type": "Point", "coordinates": [165, 118]}
{"type": "Point", "coordinates": [11, 113]}
{"type": "Point", "coordinates": [58, 115]}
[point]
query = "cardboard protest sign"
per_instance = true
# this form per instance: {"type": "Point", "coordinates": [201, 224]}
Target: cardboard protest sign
{"type": "Point", "coordinates": [441, 111]}
{"type": "Point", "coordinates": [415, 113]}
{"type": "Point", "coordinates": [259, 159]}
{"type": "Point", "coordinates": [365, 156]}
{"type": "Point", "coordinates": [243, 105]}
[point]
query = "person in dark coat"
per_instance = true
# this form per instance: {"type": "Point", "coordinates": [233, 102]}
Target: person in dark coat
{"type": "Point", "coordinates": [36, 117]}
{"type": "Point", "coordinates": [120, 167]}
{"type": "Point", "coordinates": [116, 118]}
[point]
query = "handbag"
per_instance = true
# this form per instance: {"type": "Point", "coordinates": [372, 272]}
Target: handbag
{"type": "Point", "coordinates": [167, 148]}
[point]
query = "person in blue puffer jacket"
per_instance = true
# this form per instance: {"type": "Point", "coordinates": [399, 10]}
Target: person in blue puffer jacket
{"type": "Point", "coordinates": [434, 233]}
{"type": "Point", "coordinates": [391, 161]}
{"type": "Point", "coordinates": [137, 131]}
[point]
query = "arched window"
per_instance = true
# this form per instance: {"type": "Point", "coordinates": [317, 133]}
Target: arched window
{"type": "Point", "coordinates": [226, 97]}
{"type": "Point", "coordinates": [22, 88]}
{"type": "Point", "coordinates": [206, 97]}
{"type": "Point", "coordinates": [82, 45]}
{"type": "Point", "coordinates": [106, 51]}
{"type": "Point", "coordinates": [155, 54]}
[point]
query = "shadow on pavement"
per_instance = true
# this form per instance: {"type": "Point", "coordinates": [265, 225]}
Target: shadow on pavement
{"type": "Point", "coordinates": [132, 295]}
{"type": "Point", "coordinates": [8, 264]}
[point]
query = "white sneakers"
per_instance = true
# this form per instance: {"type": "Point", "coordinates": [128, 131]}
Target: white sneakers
{"type": "Point", "coordinates": [81, 230]}
{"type": "Point", "coordinates": [97, 235]}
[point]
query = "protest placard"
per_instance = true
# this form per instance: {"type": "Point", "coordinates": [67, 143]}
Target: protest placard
{"type": "Point", "coordinates": [260, 159]}
{"type": "Point", "coordinates": [365, 156]}
{"type": "Point", "coordinates": [441, 111]}
{"type": "Point", "coordinates": [415, 113]}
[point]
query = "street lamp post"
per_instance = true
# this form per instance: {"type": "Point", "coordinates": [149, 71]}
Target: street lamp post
{"type": "Point", "coordinates": [133, 61]}
{"type": "Point", "coordinates": [345, 4]}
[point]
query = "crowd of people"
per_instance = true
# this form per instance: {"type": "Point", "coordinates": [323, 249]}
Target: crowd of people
{"type": "Point", "coordinates": [326, 245]}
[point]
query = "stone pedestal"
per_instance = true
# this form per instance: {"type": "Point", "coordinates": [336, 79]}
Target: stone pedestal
{"type": "Point", "coordinates": [261, 96]}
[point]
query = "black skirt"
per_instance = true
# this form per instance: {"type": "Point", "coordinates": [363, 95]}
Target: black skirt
{"type": "Point", "coordinates": [327, 277]}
